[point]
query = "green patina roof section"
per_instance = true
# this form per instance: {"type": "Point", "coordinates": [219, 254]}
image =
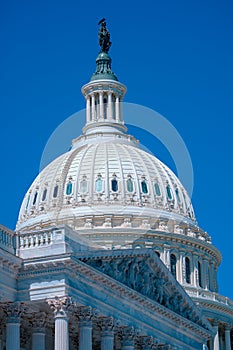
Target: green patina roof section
{"type": "Point", "coordinates": [103, 68]}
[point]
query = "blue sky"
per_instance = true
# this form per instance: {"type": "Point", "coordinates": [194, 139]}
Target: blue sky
{"type": "Point", "coordinates": [174, 56]}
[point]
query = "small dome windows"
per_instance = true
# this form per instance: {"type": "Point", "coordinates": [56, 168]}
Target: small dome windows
{"type": "Point", "coordinates": [114, 183]}
{"type": "Point", "coordinates": [83, 185]}
{"type": "Point", "coordinates": [69, 188]}
{"type": "Point", "coordinates": [129, 184]}
{"type": "Point", "coordinates": [177, 195]}
{"type": "Point", "coordinates": [157, 189]}
{"type": "Point", "coordinates": [169, 192]}
{"type": "Point", "coordinates": [99, 184]}
{"type": "Point", "coordinates": [55, 191]}
{"type": "Point", "coordinates": [44, 195]}
{"type": "Point", "coordinates": [35, 198]}
{"type": "Point", "coordinates": [144, 186]}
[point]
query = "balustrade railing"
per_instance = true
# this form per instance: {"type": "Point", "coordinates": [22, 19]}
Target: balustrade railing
{"type": "Point", "coordinates": [7, 239]}
{"type": "Point", "coordinates": [208, 295]}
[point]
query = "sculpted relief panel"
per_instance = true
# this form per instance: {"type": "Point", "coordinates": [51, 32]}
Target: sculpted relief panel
{"type": "Point", "coordinates": [142, 275]}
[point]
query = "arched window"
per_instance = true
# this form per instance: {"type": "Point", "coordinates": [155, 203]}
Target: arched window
{"type": "Point", "coordinates": [173, 264]}
{"type": "Point", "coordinates": [55, 191]}
{"type": "Point", "coordinates": [44, 194]}
{"type": "Point", "coordinates": [129, 184]}
{"type": "Point", "coordinates": [35, 198]}
{"type": "Point", "coordinates": [187, 270]}
{"type": "Point", "coordinates": [169, 192]}
{"type": "Point", "coordinates": [83, 185]}
{"type": "Point", "coordinates": [144, 187]}
{"type": "Point", "coordinates": [199, 274]}
{"type": "Point", "coordinates": [99, 184]}
{"type": "Point", "coordinates": [69, 188]}
{"type": "Point", "coordinates": [177, 195]}
{"type": "Point", "coordinates": [157, 190]}
{"type": "Point", "coordinates": [114, 185]}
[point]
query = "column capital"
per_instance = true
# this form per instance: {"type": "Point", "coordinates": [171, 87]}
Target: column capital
{"type": "Point", "coordinates": [227, 327]}
{"type": "Point", "coordinates": [39, 322]}
{"type": "Point", "coordinates": [128, 334]}
{"type": "Point", "coordinates": [85, 314]}
{"type": "Point", "coordinates": [106, 324]}
{"type": "Point", "coordinates": [13, 311]}
{"type": "Point", "coordinates": [59, 306]}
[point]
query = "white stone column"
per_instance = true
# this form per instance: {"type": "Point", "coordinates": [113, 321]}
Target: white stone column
{"type": "Point", "coordinates": [180, 268]}
{"type": "Point", "coordinates": [216, 338]}
{"type": "Point", "coordinates": [38, 333]}
{"type": "Point", "coordinates": [60, 309]}
{"type": "Point", "coordinates": [38, 339]}
{"type": "Point", "coordinates": [107, 333]}
{"type": "Point", "coordinates": [128, 336]}
{"type": "Point", "coordinates": [118, 109]}
{"type": "Point", "coordinates": [101, 99]}
{"type": "Point", "coordinates": [13, 334]}
{"type": "Point", "coordinates": [228, 338]}
{"type": "Point", "coordinates": [88, 109]}
{"type": "Point", "coordinates": [110, 116]}
{"type": "Point", "coordinates": [93, 114]}
{"type": "Point", "coordinates": [85, 315]}
{"type": "Point", "coordinates": [14, 312]}
{"type": "Point", "coordinates": [195, 271]}
{"type": "Point", "coordinates": [167, 256]}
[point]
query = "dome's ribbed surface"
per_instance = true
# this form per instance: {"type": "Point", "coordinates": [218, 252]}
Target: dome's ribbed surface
{"type": "Point", "coordinates": [128, 179]}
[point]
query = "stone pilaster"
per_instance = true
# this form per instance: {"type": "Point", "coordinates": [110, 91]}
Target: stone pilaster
{"type": "Point", "coordinates": [60, 309]}
{"type": "Point", "coordinates": [128, 335]}
{"type": "Point", "coordinates": [14, 311]}
{"type": "Point", "coordinates": [85, 315]}
{"type": "Point", "coordinates": [107, 333]}
{"type": "Point", "coordinates": [38, 331]}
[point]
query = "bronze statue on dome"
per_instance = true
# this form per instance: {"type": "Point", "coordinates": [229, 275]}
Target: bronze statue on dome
{"type": "Point", "coordinates": [104, 36]}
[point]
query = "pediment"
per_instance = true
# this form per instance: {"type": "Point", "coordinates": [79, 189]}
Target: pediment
{"type": "Point", "coordinates": [144, 272]}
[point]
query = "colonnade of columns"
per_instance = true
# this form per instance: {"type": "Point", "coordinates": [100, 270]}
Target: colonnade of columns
{"type": "Point", "coordinates": [205, 278]}
{"type": "Point", "coordinates": [103, 106]}
{"type": "Point", "coordinates": [84, 317]}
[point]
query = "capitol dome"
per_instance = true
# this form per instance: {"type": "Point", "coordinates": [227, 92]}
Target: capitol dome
{"type": "Point", "coordinates": [107, 180]}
